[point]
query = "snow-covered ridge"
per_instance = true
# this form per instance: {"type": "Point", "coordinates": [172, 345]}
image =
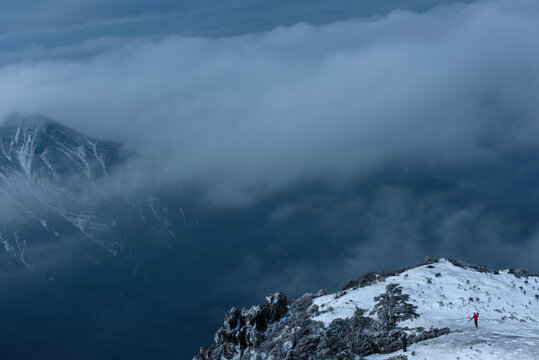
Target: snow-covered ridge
{"type": "Point", "coordinates": [446, 292]}
{"type": "Point", "coordinates": [443, 290]}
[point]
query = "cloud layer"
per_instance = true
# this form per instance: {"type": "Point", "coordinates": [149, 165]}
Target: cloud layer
{"type": "Point", "coordinates": [454, 86]}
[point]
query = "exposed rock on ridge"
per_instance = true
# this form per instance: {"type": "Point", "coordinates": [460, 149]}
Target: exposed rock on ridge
{"type": "Point", "coordinates": [244, 328]}
{"type": "Point", "coordinates": [281, 330]}
{"type": "Point", "coordinates": [341, 326]}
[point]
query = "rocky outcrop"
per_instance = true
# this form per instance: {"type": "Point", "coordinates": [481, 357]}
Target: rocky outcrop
{"type": "Point", "coordinates": [281, 331]}
{"type": "Point", "coordinates": [245, 328]}
{"type": "Point", "coordinates": [370, 278]}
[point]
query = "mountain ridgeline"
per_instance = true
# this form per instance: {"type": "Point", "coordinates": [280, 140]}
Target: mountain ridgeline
{"type": "Point", "coordinates": [409, 309]}
{"type": "Point", "coordinates": [93, 271]}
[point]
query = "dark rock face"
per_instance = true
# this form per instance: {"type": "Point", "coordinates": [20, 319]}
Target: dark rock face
{"type": "Point", "coordinates": [276, 330]}
{"type": "Point", "coordinates": [371, 278]}
{"type": "Point", "coordinates": [276, 306]}
{"type": "Point", "coordinates": [245, 328]}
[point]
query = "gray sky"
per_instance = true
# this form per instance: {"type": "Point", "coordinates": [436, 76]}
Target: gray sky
{"type": "Point", "coordinates": [47, 23]}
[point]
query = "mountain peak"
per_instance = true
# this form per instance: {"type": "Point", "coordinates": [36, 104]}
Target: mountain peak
{"type": "Point", "coordinates": [39, 148]}
{"type": "Point", "coordinates": [28, 121]}
{"type": "Point", "coordinates": [45, 170]}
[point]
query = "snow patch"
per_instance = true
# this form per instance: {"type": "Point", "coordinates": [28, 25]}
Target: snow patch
{"type": "Point", "coordinates": [447, 296]}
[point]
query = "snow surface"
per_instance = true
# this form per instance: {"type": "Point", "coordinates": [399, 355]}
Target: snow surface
{"type": "Point", "coordinates": [508, 311]}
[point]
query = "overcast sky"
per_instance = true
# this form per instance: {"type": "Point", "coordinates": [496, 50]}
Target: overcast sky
{"type": "Point", "coordinates": [46, 23]}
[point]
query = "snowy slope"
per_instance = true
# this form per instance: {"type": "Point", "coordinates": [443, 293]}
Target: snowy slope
{"type": "Point", "coordinates": [447, 296]}
{"type": "Point", "coordinates": [38, 148]}
{"type": "Point", "coordinates": [46, 170]}
{"type": "Point", "coordinates": [59, 189]}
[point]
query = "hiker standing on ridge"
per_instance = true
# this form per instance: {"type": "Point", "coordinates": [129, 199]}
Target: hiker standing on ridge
{"type": "Point", "coordinates": [475, 317]}
{"type": "Point", "coordinates": [404, 342]}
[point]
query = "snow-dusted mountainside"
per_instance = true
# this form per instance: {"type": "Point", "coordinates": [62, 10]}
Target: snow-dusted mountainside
{"type": "Point", "coordinates": [46, 170]}
{"type": "Point", "coordinates": [53, 183]}
{"type": "Point", "coordinates": [41, 149]}
{"type": "Point", "coordinates": [446, 293]}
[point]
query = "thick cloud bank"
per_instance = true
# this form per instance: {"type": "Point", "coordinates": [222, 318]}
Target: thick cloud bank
{"type": "Point", "coordinates": [452, 86]}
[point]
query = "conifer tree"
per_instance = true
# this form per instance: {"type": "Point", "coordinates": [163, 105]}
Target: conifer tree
{"type": "Point", "coordinates": [393, 307]}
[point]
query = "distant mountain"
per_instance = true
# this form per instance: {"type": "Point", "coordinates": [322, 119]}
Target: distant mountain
{"type": "Point", "coordinates": [53, 183]}
{"type": "Point", "coordinates": [343, 326]}
{"type": "Point", "coordinates": [41, 149]}
{"type": "Point", "coordinates": [93, 271]}
{"type": "Point", "coordinates": [46, 170]}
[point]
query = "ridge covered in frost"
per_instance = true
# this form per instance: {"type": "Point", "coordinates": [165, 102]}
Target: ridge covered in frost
{"type": "Point", "coordinates": [446, 292]}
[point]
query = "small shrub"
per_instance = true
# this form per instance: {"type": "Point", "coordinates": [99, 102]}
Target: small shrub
{"type": "Point", "coordinates": [398, 357]}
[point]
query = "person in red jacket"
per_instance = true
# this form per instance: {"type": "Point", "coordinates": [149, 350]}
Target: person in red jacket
{"type": "Point", "coordinates": [475, 317]}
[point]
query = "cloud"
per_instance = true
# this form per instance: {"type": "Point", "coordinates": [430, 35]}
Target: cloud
{"type": "Point", "coordinates": [387, 229]}
{"type": "Point", "coordinates": [217, 17]}
{"type": "Point", "coordinates": [54, 15]}
{"type": "Point", "coordinates": [248, 114]}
